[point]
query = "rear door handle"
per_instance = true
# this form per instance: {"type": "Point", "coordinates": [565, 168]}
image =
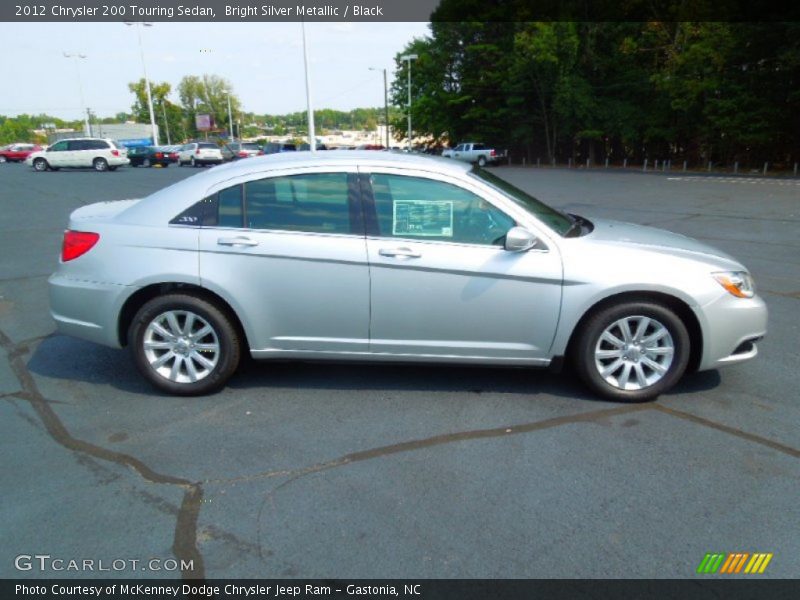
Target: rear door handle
{"type": "Point", "coordinates": [399, 252]}
{"type": "Point", "coordinates": [236, 241]}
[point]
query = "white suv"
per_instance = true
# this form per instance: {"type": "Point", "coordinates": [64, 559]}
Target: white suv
{"type": "Point", "coordinates": [97, 153]}
{"type": "Point", "coordinates": [199, 153]}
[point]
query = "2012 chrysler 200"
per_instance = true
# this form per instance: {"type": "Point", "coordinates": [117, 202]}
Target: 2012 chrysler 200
{"type": "Point", "coordinates": [389, 257]}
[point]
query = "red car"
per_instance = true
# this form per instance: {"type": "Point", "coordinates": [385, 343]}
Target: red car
{"type": "Point", "coordinates": [17, 152]}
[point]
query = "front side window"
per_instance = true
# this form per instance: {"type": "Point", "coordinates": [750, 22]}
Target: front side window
{"type": "Point", "coordinates": [426, 209]}
{"type": "Point", "coordinates": [557, 220]}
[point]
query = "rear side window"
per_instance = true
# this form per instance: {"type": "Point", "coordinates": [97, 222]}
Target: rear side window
{"type": "Point", "coordinates": [313, 203]}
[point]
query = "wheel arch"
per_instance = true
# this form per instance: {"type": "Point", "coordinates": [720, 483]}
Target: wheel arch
{"type": "Point", "coordinates": [678, 306]}
{"type": "Point", "coordinates": [138, 299]}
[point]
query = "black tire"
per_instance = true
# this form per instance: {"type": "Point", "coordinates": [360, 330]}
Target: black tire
{"type": "Point", "coordinates": [147, 163]}
{"type": "Point", "coordinates": [40, 164]}
{"type": "Point", "coordinates": [223, 329]}
{"type": "Point", "coordinates": [193, 162]}
{"type": "Point", "coordinates": [588, 342]}
{"type": "Point", "coordinates": [100, 164]}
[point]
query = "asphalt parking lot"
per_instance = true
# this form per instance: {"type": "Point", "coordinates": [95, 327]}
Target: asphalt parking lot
{"type": "Point", "coordinates": [308, 470]}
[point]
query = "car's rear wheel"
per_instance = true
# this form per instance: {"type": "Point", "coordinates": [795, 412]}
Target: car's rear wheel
{"type": "Point", "coordinates": [3, 159]}
{"type": "Point", "coordinates": [632, 352]}
{"type": "Point", "coordinates": [147, 163]}
{"type": "Point", "coordinates": [40, 164]}
{"type": "Point", "coordinates": [193, 162]}
{"type": "Point", "coordinates": [482, 161]}
{"type": "Point", "coordinates": [184, 345]}
{"type": "Point", "coordinates": [100, 164]}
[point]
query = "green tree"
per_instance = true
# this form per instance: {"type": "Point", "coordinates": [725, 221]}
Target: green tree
{"type": "Point", "coordinates": [207, 94]}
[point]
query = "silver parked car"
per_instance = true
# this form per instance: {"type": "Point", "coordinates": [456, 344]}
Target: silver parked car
{"type": "Point", "coordinates": [391, 257]}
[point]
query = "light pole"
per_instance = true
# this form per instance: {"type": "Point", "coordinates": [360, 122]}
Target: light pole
{"type": "Point", "coordinates": [385, 103]}
{"type": "Point", "coordinates": [146, 80]}
{"type": "Point", "coordinates": [87, 130]}
{"type": "Point", "coordinates": [312, 139]}
{"type": "Point", "coordinates": [408, 58]}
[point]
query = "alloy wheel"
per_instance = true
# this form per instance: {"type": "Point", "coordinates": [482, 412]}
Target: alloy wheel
{"type": "Point", "coordinates": [634, 353]}
{"type": "Point", "coordinates": [181, 346]}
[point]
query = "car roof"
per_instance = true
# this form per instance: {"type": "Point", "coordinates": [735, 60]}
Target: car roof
{"type": "Point", "coordinates": [167, 202]}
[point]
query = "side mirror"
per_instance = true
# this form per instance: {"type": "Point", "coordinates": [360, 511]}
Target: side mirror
{"type": "Point", "coordinates": [519, 239]}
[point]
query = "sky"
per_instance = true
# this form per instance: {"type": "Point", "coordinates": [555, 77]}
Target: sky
{"type": "Point", "coordinates": [263, 62]}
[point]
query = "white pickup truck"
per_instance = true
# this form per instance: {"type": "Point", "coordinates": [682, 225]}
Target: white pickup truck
{"type": "Point", "coordinates": [473, 153]}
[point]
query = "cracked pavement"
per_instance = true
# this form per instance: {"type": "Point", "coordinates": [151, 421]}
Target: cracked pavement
{"type": "Point", "coordinates": [353, 471]}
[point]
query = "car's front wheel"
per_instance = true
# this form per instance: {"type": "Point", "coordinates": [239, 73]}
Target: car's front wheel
{"type": "Point", "coordinates": [632, 352]}
{"type": "Point", "coordinates": [184, 345]}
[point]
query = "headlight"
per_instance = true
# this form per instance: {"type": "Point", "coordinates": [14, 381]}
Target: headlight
{"type": "Point", "coordinates": [738, 283]}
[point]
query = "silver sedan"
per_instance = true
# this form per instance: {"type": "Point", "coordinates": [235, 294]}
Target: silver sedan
{"type": "Point", "coordinates": [389, 257]}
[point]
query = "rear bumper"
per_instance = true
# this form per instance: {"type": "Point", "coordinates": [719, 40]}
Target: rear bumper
{"type": "Point", "coordinates": [86, 309]}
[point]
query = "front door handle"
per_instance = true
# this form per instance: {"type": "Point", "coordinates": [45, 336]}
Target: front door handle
{"type": "Point", "coordinates": [237, 241]}
{"type": "Point", "coordinates": [399, 252]}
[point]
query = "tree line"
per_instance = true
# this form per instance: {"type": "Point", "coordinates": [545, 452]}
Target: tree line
{"type": "Point", "coordinates": [696, 91]}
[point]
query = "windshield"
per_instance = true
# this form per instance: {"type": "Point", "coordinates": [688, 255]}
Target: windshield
{"type": "Point", "coordinates": [555, 219]}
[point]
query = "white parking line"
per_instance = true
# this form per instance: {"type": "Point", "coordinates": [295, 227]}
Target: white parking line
{"type": "Point", "coordinates": [736, 180]}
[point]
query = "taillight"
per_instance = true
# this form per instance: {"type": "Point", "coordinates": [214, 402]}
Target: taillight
{"type": "Point", "coordinates": [242, 154]}
{"type": "Point", "coordinates": [197, 151]}
{"type": "Point", "coordinates": [159, 155]}
{"type": "Point", "coordinates": [115, 152]}
{"type": "Point", "coordinates": [77, 243]}
{"type": "Point", "coordinates": [492, 153]}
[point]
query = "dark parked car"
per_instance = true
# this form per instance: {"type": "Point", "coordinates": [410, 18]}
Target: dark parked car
{"type": "Point", "coordinates": [275, 147]}
{"type": "Point", "coordinates": [148, 156]}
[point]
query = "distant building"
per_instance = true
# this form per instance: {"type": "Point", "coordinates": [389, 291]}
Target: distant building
{"type": "Point", "coordinates": [127, 134]}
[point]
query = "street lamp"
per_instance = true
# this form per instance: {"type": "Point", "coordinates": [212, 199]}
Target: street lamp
{"type": "Point", "coordinates": [146, 80]}
{"type": "Point", "coordinates": [408, 58]}
{"type": "Point", "coordinates": [312, 139]}
{"type": "Point", "coordinates": [385, 103]}
{"type": "Point", "coordinates": [86, 128]}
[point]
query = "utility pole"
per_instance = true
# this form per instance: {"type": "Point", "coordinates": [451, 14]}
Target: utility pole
{"type": "Point", "coordinates": [166, 123]}
{"type": "Point", "coordinates": [408, 58]}
{"type": "Point", "coordinates": [385, 103]}
{"type": "Point", "coordinates": [230, 118]}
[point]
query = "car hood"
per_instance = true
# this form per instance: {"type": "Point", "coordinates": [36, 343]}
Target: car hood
{"type": "Point", "coordinates": [618, 233]}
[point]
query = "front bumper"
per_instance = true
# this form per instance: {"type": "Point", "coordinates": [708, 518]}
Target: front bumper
{"type": "Point", "coordinates": [731, 329]}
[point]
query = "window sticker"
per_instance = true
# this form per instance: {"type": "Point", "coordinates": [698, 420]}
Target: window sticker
{"type": "Point", "coordinates": [432, 218]}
